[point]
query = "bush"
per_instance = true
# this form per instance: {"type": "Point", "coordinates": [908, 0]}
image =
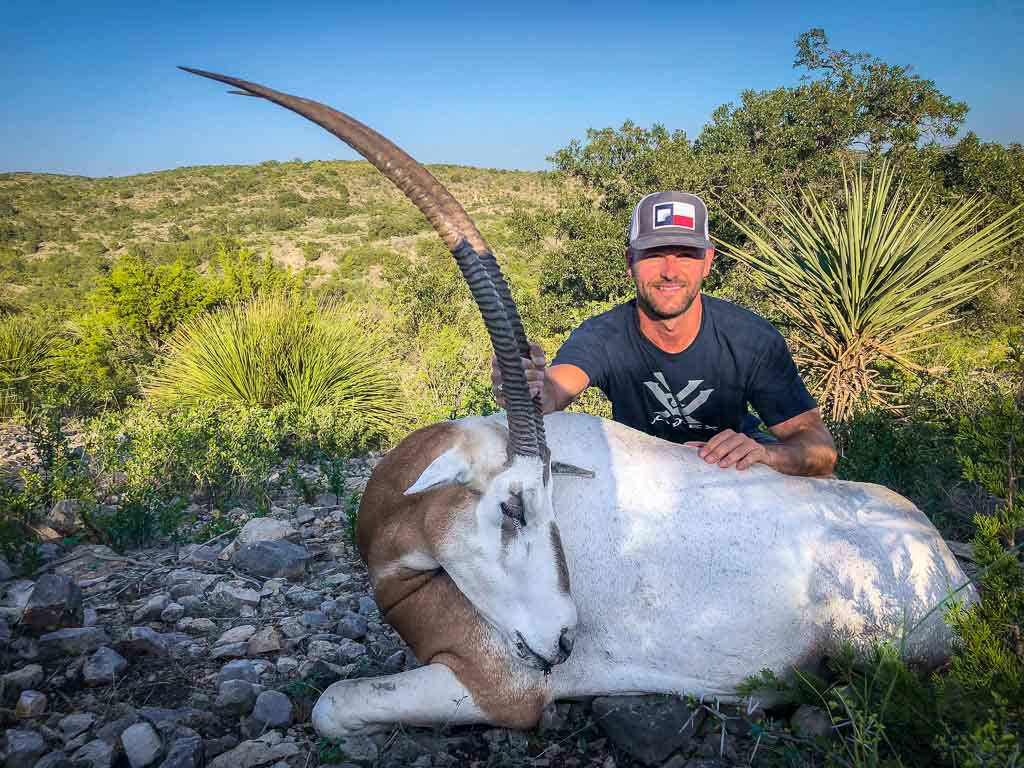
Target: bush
{"type": "Point", "coordinates": [279, 350]}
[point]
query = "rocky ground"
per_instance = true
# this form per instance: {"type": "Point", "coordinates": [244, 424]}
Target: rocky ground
{"type": "Point", "coordinates": [214, 654]}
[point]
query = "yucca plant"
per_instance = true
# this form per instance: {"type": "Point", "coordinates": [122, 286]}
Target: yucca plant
{"type": "Point", "coordinates": [864, 280]}
{"type": "Point", "coordinates": [28, 354]}
{"type": "Point", "coordinates": [278, 350]}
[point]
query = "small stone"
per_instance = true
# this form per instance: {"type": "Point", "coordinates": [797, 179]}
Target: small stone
{"type": "Point", "coordinates": [270, 559]}
{"type": "Point", "coordinates": [293, 629]}
{"type": "Point", "coordinates": [96, 754]}
{"type": "Point", "coordinates": [394, 663]}
{"type": "Point", "coordinates": [55, 602]}
{"type": "Point", "coordinates": [266, 640]}
{"type": "Point", "coordinates": [74, 641]}
{"type": "Point", "coordinates": [152, 608]}
{"type": "Point", "coordinates": [196, 626]}
{"type": "Point", "coordinates": [350, 651]}
{"type": "Point", "coordinates": [24, 679]}
{"type": "Point", "coordinates": [239, 670]}
{"type": "Point", "coordinates": [55, 760]}
{"type": "Point", "coordinates": [103, 667]}
{"type": "Point", "coordinates": [64, 516]}
{"type": "Point", "coordinates": [6, 573]}
{"type": "Point", "coordinates": [30, 704]}
{"type": "Point", "coordinates": [187, 751]}
{"type": "Point", "coordinates": [286, 665]}
{"type": "Point", "coordinates": [273, 709]}
{"type": "Point", "coordinates": [22, 748]}
{"type": "Point", "coordinates": [172, 612]}
{"type": "Point", "coordinates": [649, 728]}
{"type": "Point", "coordinates": [353, 626]}
{"type": "Point", "coordinates": [236, 635]}
{"type": "Point", "coordinates": [812, 722]}
{"type": "Point", "coordinates": [322, 650]}
{"type": "Point", "coordinates": [230, 651]}
{"type": "Point", "coordinates": [367, 605]}
{"type": "Point", "coordinates": [198, 553]}
{"type": "Point", "coordinates": [145, 641]}
{"type": "Point", "coordinates": [237, 594]}
{"type": "Point", "coordinates": [111, 732]}
{"type": "Point", "coordinates": [89, 617]}
{"type": "Point", "coordinates": [142, 745]}
{"type": "Point", "coordinates": [235, 697]}
{"type": "Point", "coordinates": [304, 598]}
{"type": "Point", "coordinates": [251, 754]}
{"type": "Point", "coordinates": [266, 529]}
{"type": "Point", "coordinates": [76, 724]}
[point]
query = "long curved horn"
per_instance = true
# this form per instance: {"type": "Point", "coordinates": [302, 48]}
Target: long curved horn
{"type": "Point", "coordinates": [459, 233]}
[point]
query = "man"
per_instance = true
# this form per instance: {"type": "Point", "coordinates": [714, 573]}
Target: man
{"type": "Point", "coordinates": [684, 366]}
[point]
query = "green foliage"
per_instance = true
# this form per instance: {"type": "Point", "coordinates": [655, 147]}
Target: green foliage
{"type": "Point", "coordinates": [861, 282]}
{"type": "Point", "coordinates": [29, 349]}
{"type": "Point", "coordinates": [991, 447]}
{"type": "Point", "coordinates": [396, 221]}
{"type": "Point", "coordinates": [278, 350]}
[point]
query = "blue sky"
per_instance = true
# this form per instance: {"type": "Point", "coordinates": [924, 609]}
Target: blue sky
{"type": "Point", "coordinates": [91, 88]}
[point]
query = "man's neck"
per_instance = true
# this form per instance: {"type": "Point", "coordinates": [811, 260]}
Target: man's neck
{"type": "Point", "coordinates": [674, 334]}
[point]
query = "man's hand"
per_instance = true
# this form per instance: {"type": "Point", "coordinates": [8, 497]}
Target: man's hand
{"type": "Point", "coordinates": [729, 448]}
{"type": "Point", "coordinates": [535, 374]}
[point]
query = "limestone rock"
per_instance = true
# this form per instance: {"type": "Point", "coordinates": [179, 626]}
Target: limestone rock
{"type": "Point", "coordinates": [152, 608]}
{"type": "Point", "coordinates": [353, 626]}
{"type": "Point", "coordinates": [273, 709]}
{"type": "Point", "coordinates": [24, 679]}
{"type": "Point", "coordinates": [103, 667]}
{"type": "Point", "coordinates": [142, 745]}
{"type": "Point", "coordinates": [55, 602]}
{"type": "Point", "coordinates": [144, 641]}
{"type": "Point", "coordinates": [5, 570]}
{"type": "Point", "coordinates": [649, 728]}
{"type": "Point", "coordinates": [266, 640]}
{"type": "Point", "coordinates": [186, 751]}
{"type": "Point", "coordinates": [172, 612]}
{"type": "Point", "coordinates": [73, 641]}
{"type": "Point", "coordinates": [55, 760]}
{"type": "Point", "coordinates": [350, 651]}
{"type": "Point", "coordinates": [235, 697]}
{"type": "Point", "coordinates": [251, 754]}
{"type": "Point", "coordinates": [65, 516]}
{"type": "Point", "coordinates": [236, 593]}
{"type": "Point", "coordinates": [30, 704]}
{"type": "Point", "coordinates": [22, 748]}
{"type": "Point", "coordinates": [236, 635]}
{"type": "Point", "coordinates": [270, 559]}
{"type": "Point", "coordinates": [239, 670]}
{"type": "Point", "coordinates": [96, 754]}
{"type": "Point", "coordinates": [76, 724]}
{"type": "Point", "coordinates": [266, 529]}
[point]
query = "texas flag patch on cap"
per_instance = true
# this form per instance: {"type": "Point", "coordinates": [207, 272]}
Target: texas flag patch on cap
{"type": "Point", "coordinates": [674, 215]}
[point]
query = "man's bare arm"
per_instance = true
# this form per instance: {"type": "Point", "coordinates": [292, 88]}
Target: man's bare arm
{"type": "Point", "coordinates": [558, 385]}
{"type": "Point", "coordinates": [805, 448]}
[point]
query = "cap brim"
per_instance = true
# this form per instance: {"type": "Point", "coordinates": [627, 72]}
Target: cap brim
{"type": "Point", "coordinates": [659, 239]}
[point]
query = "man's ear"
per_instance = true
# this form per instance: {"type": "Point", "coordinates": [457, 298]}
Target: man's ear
{"type": "Point", "coordinates": [709, 258]}
{"type": "Point", "coordinates": [449, 468]}
{"type": "Point", "coordinates": [629, 261]}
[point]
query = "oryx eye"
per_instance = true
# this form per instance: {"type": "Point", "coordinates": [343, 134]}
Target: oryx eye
{"type": "Point", "coordinates": [513, 509]}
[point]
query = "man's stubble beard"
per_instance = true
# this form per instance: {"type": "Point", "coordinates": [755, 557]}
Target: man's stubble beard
{"type": "Point", "coordinates": [648, 308]}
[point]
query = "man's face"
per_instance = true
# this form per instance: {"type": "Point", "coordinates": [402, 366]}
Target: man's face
{"type": "Point", "coordinates": [668, 279]}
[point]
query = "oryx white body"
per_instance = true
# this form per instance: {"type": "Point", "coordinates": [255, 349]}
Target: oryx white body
{"type": "Point", "coordinates": [686, 578]}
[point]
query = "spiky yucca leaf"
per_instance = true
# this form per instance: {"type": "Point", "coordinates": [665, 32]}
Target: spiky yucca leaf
{"type": "Point", "coordinates": [276, 350]}
{"type": "Point", "coordinates": [28, 356]}
{"type": "Point", "coordinates": [862, 281]}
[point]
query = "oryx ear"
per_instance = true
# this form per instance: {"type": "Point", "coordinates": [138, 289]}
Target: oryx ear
{"type": "Point", "coordinates": [448, 468]}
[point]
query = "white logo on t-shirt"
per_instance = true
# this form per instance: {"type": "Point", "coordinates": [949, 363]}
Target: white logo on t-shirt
{"type": "Point", "coordinates": [675, 412]}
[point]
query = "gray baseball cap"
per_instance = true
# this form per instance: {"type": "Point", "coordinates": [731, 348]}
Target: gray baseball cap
{"type": "Point", "coordinates": [669, 218]}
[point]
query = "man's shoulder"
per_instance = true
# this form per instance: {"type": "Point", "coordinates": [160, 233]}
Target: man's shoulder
{"type": "Point", "coordinates": [612, 322]}
{"type": "Point", "coordinates": [731, 318]}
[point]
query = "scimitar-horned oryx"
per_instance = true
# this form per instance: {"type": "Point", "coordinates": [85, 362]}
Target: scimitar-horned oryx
{"type": "Point", "coordinates": [686, 578]}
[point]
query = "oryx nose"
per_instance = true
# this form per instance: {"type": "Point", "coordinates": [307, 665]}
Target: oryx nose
{"type": "Point", "coordinates": [566, 641]}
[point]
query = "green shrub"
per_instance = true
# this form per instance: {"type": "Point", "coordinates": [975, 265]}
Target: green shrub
{"type": "Point", "coordinates": [29, 349]}
{"type": "Point", "coordinates": [279, 350]}
{"type": "Point", "coordinates": [394, 221]}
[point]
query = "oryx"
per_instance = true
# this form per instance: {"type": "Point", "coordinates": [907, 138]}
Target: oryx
{"type": "Point", "coordinates": [685, 578]}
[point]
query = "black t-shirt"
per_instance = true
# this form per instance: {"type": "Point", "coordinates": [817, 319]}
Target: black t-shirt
{"type": "Point", "coordinates": [737, 358]}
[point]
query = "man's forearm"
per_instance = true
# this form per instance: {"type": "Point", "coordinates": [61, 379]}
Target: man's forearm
{"type": "Point", "coordinates": [807, 455]}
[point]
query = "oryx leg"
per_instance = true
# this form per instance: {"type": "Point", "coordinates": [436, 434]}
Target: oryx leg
{"type": "Point", "coordinates": [428, 695]}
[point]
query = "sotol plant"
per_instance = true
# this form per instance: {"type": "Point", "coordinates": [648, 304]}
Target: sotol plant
{"type": "Point", "coordinates": [279, 350]}
{"type": "Point", "coordinates": [863, 280]}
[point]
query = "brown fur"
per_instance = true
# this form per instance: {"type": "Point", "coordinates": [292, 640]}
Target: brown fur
{"type": "Point", "coordinates": [425, 607]}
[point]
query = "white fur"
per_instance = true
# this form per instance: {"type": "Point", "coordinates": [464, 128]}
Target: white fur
{"type": "Point", "coordinates": [688, 578]}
